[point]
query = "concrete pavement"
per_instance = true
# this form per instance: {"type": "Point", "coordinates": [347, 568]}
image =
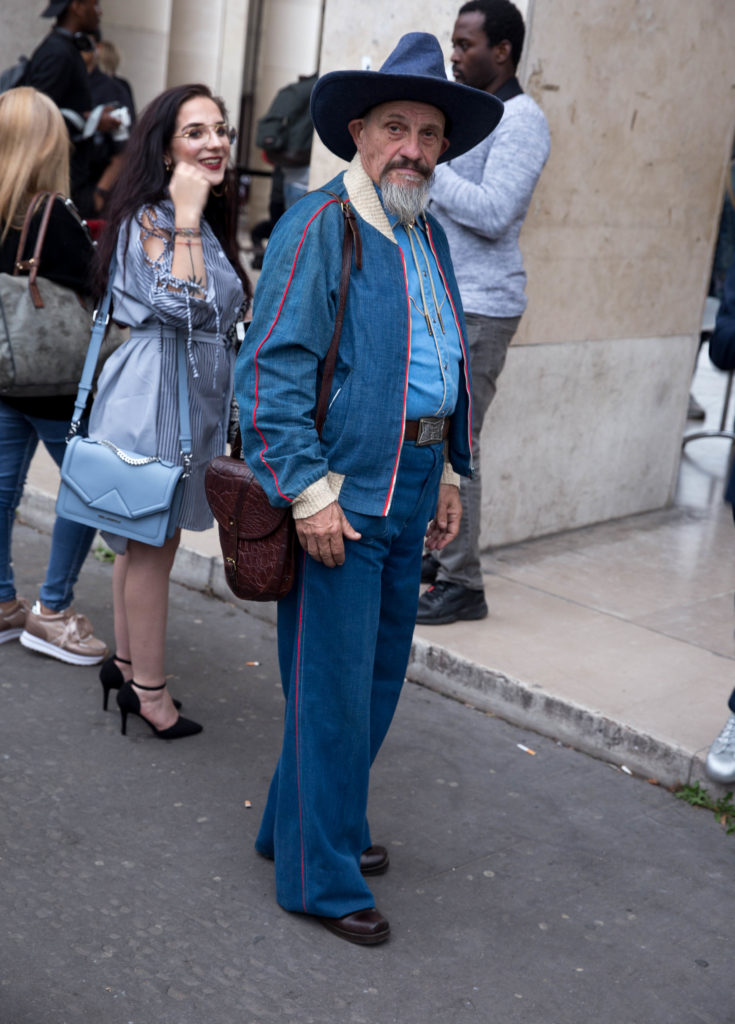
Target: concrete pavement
{"type": "Point", "coordinates": [544, 888]}
{"type": "Point", "coordinates": [616, 639]}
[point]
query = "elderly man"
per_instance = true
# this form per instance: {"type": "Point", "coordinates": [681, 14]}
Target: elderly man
{"type": "Point", "coordinates": [362, 493]}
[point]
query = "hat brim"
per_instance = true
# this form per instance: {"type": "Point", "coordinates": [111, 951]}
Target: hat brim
{"type": "Point", "coordinates": [55, 9]}
{"type": "Point", "coordinates": [341, 96]}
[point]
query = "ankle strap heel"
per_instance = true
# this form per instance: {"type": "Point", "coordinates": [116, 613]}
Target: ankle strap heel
{"type": "Point", "coordinates": [129, 704]}
{"type": "Point", "coordinates": [111, 678]}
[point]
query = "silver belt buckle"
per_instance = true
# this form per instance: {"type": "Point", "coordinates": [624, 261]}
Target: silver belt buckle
{"type": "Point", "coordinates": [430, 431]}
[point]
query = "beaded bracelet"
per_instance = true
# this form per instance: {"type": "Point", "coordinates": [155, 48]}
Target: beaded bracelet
{"type": "Point", "coordinates": [188, 232]}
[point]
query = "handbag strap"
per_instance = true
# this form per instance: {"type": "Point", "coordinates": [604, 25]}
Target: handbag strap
{"type": "Point", "coordinates": [34, 262]}
{"type": "Point", "coordinates": [99, 327]}
{"type": "Point", "coordinates": [351, 240]}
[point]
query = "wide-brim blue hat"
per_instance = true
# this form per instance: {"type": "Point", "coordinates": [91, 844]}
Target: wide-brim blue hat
{"type": "Point", "coordinates": [413, 71]}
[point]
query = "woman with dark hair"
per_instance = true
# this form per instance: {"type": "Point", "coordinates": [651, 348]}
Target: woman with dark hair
{"type": "Point", "coordinates": [178, 281]}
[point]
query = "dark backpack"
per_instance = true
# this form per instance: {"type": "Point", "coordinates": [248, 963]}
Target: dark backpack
{"type": "Point", "coordinates": [285, 130]}
{"type": "Point", "coordinates": [13, 76]}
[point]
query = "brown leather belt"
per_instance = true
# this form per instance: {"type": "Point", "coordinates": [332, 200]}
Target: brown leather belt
{"type": "Point", "coordinates": [427, 430]}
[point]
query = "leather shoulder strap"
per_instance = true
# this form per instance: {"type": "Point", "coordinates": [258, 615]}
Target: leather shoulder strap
{"type": "Point", "coordinates": [34, 263]}
{"type": "Point", "coordinates": [351, 240]}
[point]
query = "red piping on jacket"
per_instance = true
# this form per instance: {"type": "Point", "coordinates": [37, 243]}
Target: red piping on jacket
{"type": "Point", "coordinates": [461, 342]}
{"type": "Point", "coordinates": [264, 449]}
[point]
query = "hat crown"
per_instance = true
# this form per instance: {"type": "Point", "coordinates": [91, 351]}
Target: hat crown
{"type": "Point", "coordinates": [414, 71]}
{"type": "Point", "coordinates": [416, 53]}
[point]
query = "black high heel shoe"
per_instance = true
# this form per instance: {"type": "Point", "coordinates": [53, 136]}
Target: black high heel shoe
{"type": "Point", "coordinates": [129, 704]}
{"type": "Point", "coordinates": [112, 679]}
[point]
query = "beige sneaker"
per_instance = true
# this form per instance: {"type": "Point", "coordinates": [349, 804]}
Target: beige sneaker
{"type": "Point", "coordinates": [64, 635]}
{"type": "Point", "coordinates": [13, 622]}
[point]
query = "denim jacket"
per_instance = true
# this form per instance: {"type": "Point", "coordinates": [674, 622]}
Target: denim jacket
{"type": "Point", "coordinates": [278, 370]}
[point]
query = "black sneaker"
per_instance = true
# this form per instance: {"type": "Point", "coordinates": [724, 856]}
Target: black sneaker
{"type": "Point", "coordinates": [447, 602]}
{"type": "Point", "coordinates": [429, 569]}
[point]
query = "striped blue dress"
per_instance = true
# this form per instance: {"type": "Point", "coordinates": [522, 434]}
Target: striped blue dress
{"type": "Point", "coordinates": [136, 404]}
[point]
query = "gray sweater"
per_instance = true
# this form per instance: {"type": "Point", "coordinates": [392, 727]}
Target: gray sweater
{"type": "Point", "coordinates": [481, 199]}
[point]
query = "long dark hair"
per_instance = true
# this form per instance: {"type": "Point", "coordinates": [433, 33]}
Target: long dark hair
{"type": "Point", "coordinates": [143, 181]}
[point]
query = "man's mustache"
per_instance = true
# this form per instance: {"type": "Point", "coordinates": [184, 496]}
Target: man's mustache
{"type": "Point", "coordinates": [411, 165]}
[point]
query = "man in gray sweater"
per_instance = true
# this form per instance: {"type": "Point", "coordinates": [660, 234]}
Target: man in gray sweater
{"type": "Point", "coordinates": [481, 200]}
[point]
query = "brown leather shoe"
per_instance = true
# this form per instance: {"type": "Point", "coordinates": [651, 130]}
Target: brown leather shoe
{"type": "Point", "coordinates": [364, 927]}
{"type": "Point", "coordinates": [374, 861]}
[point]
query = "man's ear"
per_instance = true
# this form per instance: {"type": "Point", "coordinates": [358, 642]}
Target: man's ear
{"type": "Point", "coordinates": [355, 129]}
{"type": "Point", "coordinates": [445, 146]}
{"type": "Point", "coordinates": [503, 51]}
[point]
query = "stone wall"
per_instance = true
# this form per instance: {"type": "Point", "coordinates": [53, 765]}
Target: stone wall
{"type": "Point", "coordinates": [639, 95]}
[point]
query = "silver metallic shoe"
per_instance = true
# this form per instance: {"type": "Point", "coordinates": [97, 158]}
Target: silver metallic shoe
{"type": "Point", "coordinates": [720, 764]}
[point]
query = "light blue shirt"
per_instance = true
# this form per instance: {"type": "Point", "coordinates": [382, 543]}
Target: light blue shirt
{"type": "Point", "coordinates": [436, 353]}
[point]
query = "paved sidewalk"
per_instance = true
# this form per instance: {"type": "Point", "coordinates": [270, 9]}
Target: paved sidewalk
{"type": "Point", "coordinates": [544, 888]}
{"type": "Point", "coordinates": [616, 639]}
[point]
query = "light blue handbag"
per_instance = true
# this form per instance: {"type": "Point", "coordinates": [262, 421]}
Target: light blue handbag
{"type": "Point", "coordinates": [134, 496]}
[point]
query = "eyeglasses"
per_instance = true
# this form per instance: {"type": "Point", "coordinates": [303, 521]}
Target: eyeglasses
{"type": "Point", "coordinates": [196, 133]}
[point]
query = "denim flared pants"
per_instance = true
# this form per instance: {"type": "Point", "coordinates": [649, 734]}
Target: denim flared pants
{"type": "Point", "coordinates": [344, 640]}
{"type": "Point", "coordinates": [70, 542]}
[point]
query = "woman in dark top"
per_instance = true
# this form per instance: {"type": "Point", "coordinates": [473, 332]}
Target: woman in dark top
{"type": "Point", "coordinates": [34, 156]}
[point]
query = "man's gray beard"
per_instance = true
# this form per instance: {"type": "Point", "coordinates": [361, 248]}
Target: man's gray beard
{"type": "Point", "coordinates": [406, 202]}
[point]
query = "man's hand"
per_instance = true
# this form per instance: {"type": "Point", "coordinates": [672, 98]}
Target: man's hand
{"type": "Point", "coordinates": [444, 527]}
{"type": "Point", "coordinates": [321, 535]}
{"type": "Point", "coordinates": [107, 123]}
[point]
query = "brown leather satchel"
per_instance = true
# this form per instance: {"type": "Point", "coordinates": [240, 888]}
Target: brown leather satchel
{"type": "Point", "coordinates": [259, 542]}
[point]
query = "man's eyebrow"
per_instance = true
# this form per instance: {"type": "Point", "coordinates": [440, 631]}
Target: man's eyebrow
{"type": "Point", "coordinates": [398, 116]}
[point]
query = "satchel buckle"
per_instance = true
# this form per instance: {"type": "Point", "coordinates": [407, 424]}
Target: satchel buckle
{"type": "Point", "coordinates": [430, 430]}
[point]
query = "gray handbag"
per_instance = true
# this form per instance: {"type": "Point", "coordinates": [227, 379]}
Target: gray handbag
{"type": "Point", "coordinates": [43, 333]}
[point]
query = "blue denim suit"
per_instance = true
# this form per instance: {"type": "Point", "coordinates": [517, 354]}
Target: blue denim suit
{"type": "Point", "coordinates": [344, 634]}
{"type": "Point", "coordinates": [278, 370]}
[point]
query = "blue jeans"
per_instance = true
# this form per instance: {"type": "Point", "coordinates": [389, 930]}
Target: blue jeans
{"type": "Point", "coordinates": [70, 542]}
{"type": "Point", "coordinates": [344, 640]}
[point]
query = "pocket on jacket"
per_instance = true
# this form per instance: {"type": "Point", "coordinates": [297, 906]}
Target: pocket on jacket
{"type": "Point", "coordinates": [337, 411]}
